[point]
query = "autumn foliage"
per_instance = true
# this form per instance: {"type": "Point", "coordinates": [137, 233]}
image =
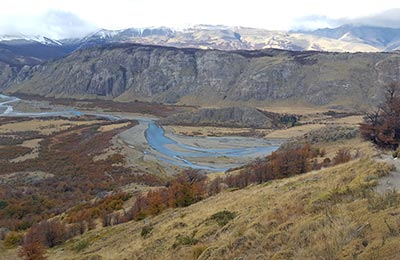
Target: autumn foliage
{"type": "Point", "coordinates": [32, 251]}
{"type": "Point", "coordinates": [187, 188]}
{"type": "Point", "coordinates": [279, 164]}
{"type": "Point", "coordinates": [382, 126]}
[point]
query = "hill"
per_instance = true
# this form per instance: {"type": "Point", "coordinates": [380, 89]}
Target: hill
{"type": "Point", "coordinates": [230, 117]}
{"type": "Point", "coordinates": [331, 214]}
{"type": "Point", "coordinates": [210, 77]}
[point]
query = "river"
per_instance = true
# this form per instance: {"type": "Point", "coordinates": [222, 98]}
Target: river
{"type": "Point", "coordinates": [206, 153]}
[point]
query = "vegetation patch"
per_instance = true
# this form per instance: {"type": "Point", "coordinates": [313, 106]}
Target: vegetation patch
{"type": "Point", "coordinates": [184, 240]}
{"type": "Point", "coordinates": [146, 231]}
{"type": "Point", "coordinates": [81, 245]}
{"type": "Point", "coordinates": [380, 202]}
{"type": "Point", "coordinates": [222, 217]}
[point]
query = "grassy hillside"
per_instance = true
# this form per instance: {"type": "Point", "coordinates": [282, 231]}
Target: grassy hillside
{"type": "Point", "coordinates": [328, 214]}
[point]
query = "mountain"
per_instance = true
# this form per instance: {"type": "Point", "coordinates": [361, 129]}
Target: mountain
{"type": "Point", "coordinates": [347, 38]}
{"type": "Point", "coordinates": [127, 72]}
{"type": "Point", "coordinates": [223, 38]}
{"type": "Point", "coordinates": [385, 39]}
{"type": "Point", "coordinates": [30, 50]}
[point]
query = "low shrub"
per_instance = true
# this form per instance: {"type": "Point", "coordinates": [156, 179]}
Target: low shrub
{"type": "Point", "coordinates": [223, 217]}
{"type": "Point", "coordinates": [146, 231]}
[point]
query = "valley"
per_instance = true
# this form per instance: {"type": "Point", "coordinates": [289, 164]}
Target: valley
{"type": "Point", "coordinates": [218, 150]}
{"type": "Point", "coordinates": [67, 156]}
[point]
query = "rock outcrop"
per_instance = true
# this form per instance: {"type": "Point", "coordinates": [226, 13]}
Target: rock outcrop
{"type": "Point", "coordinates": [210, 77]}
{"type": "Point", "coordinates": [229, 117]}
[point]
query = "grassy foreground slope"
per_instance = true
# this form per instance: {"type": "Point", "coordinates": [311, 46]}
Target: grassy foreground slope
{"type": "Point", "coordinates": [328, 214]}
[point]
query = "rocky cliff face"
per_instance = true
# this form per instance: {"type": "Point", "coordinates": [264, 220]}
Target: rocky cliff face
{"type": "Point", "coordinates": [209, 77]}
{"type": "Point", "coordinates": [228, 117]}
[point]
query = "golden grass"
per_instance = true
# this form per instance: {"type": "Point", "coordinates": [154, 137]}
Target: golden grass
{"type": "Point", "coordinates": [297, 110]}
{"type": "Point", "coordinates": [294, 131]}
{"type": "Point", "coordinates": [214, 131]}
{"type": "Point", "coordinates": [327, 214]}
{"type": "Point", "coordinates": [106, 128]}
{"type": "Point", "coordinates": [350, 120]}
{"type": "Point", "coordinates": [45, 127]}
{"type": "Point", "coordinates": [34, 144]}
{"type": "Point", "coordinates": [6, 253]}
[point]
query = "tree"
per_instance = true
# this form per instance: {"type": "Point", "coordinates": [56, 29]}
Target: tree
{"type": "Point", "coordinates": [382, 126]}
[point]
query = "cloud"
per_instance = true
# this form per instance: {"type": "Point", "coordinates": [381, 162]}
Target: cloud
{"type": "Point", "coordinates": [389, 18]}
{"type": "Point", "coordinates": [54, 24]}
{"type": "Point", "coordinates": [313, 22]}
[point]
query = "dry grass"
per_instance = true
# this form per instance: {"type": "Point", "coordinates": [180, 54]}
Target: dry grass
{"type": "Point", "coordinates": [328, 214]}
{"type": "Point", "coordinates": [34, 144]}
{"type": "Point", "coordinates": [106, 128]}
{"type": "Point", "coordinates": [215, 131]}
{"type": "Point", "coordinates": [45, 127]}
{"type": "Point", "coordinates": [294, 131]}
{"type": "Point", "coordinates": [350, 120]}
{"type": "Point", "coordinates": [293, 109]}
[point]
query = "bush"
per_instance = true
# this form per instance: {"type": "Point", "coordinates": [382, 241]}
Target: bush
{"type": "Point", "coordinates": [395, 153]}
{"type": "Point", "coordinates": [184, 240]}
{"type": "Point", "coordinates": [32, 251]}
{"type": "Point", "coordinates": [3, 204]}
{"type": "Point", "coordinates": [342, 156]}
{"type": "Point", "coordinates": [12, 239]}
{"type": "Point", "coordinates": [223, 217]}
{"type": "Point", "coordinates": [81, 246]}
{"type": "Point", "coordinates": [146, 231]}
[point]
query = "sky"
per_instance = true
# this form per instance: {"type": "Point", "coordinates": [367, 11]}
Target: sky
{"type": "Point", "coordinates": [75, 18]}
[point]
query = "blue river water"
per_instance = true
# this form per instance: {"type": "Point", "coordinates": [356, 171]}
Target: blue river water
{"type": "Point", "coordinates": [169, 150]}
{"type": "Point", "coordinates": [180, 154]}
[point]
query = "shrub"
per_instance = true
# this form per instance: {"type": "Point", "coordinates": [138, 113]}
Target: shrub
{"type": "Point", "coordinates": [395, 153]}
{"type": "Point", "coordinates": [81, 245]}
{"type": "Point", "coordinates": [146, 231]}
{"type": "Point", "coordinates": [342, 156]}
{"type": "Point", "coordinates": [12, 239]}
{"type": "Point", "coordinates": [48, 232]}
{"type": "Point", "coordinates": [223, 217]}
{"type": "Point", "coordinates": [184, 240]}
{"type": "Point", "coordinates": [3, 204]}
{"type": "Point", "coordinates": [32, 251]}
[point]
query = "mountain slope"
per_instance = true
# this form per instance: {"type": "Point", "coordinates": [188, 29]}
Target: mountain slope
{"type": "Point", "coordinates": [230, 117]}
{"type": "Point", "coordinates": [382, 38]}
{"type": "Point", "coordinates": [329, 214]}
{"type": "Point", "coordinates": [223, 38]}
{"type": "Point", "coordinates": [209, 77]}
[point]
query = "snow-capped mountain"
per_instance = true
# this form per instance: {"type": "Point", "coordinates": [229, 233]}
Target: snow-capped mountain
{"type": "Point", "coordinates": [347, 38]}
{"type": "Point", "coordinates": [26, 39]}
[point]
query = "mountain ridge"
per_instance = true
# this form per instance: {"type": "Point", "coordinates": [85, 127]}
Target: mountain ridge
{"type": "Point", "coordinates": [228, 38]}
{"type": "Point", "coordinates": [127, 72]}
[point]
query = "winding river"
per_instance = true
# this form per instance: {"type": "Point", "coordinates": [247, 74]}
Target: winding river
{"type": "Point", "coordinates": [181, 154]}
{"type": "Point", "coordinates": [171, 149]}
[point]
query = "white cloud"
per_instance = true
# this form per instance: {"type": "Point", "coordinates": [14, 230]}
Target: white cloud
{"type": "Point", "coordinates": [54, 24]}
{"type": "Point", "coordinates": [33, 16]}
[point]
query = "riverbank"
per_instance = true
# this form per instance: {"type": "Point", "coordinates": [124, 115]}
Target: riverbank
{"type": "Point", "coordinates": [204, 153]}
{"type": "Point", "coordinates": [147, 146]}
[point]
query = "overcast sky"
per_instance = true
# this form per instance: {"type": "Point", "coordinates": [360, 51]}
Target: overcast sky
{"type": "Point", "coordinates": [69, 18]}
